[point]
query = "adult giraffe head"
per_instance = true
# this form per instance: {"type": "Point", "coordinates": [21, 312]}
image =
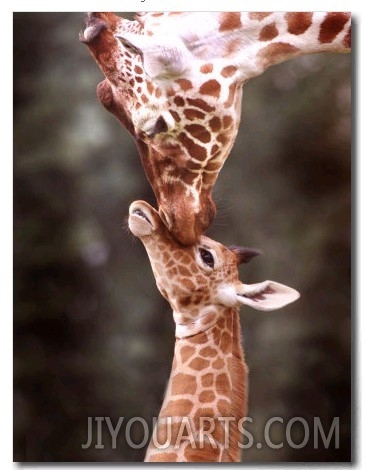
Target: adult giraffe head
{"type": "Point", "coordinates": [177, 88]}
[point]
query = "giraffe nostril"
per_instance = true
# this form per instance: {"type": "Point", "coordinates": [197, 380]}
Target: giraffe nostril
{"type": "Point", "coordinates": [160, 126]}
{"type": "Point", "coordinates": [165, 123]}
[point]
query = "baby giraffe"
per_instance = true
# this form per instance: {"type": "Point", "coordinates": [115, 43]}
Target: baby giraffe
{"type": "Point", "coordinates": [205, 404]}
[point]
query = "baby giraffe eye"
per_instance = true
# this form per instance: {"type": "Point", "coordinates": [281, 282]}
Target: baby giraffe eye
{"type": "Point", "coordinates": [207, 257]}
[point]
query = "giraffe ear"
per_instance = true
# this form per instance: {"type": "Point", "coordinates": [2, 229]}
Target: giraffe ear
{"type": "Point", "coordinates": [161, 55]}
{"type": "Point", "coordinates": [266, 296]}
{"type": "Point", "coordinates": [243, 254]}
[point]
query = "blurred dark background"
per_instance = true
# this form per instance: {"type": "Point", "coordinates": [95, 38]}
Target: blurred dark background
{"type": "Point", "coordinates": [92, 335]}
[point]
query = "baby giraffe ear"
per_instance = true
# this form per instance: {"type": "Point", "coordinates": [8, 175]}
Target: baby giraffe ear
{"type": "Point", "coordinates": [267, 295]}
{"type": "Point", "coordinates": [160, 55]}
{"type": "Point", "coordinates": [244, 254]}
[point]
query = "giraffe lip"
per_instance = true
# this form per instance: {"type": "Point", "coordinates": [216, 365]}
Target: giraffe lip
{"type": "Point", "coordinates": [142, 215]}
{"type": "Point", "coordinates": [143, 219]}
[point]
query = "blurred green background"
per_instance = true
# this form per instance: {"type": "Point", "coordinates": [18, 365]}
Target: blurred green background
{"type": "Point", "coordinates": [92, 335]}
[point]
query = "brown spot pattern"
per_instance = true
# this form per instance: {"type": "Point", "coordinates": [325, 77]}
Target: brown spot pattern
{"type": "Point", "coordinates": [227, 121]}
{"type": "Point", "coordinates": [195, 151]}
{"type": "Point", "coordinates": [347, 39]}
{"type": "Point", "coordinates": [211, 88]}
{"type": "Point", "coordinates": [222, 384]}
{"type": "Point", "coordinates": [186, 259]}
{"type": "Point", "coordinates": [213, 166]}
{"type": "Point", "coordinates": [298, 22]}
{"type": "Point", "coordinates": [199, 364]}
{"type": "Point", "coordinates": [214, 150]}
{"type": "Point", "coordinates": [215, 124]}
{"type": "Point", "coordinates": [178, 255]}
{"type": "Point", "coordinates": [150, 88]}
{"type": "Point", "coordinates": [331, 26]}
{"type": "Point", "coordinates": [181, 407]}
{"type": "Point", "coordinates": [179, 101]}
{"type": "Point", "coordinates": [208, 352]}
{"type": "Point", "coordinates": [206, 68]}
{"type": "Point", "coordinates": [200, 133]}
{"type": "Point", "coordinates": [228, 71]}
{"type": "Point", "coordinates": [205, 412]}
{"type": "Point", "coordinates": [197, 298]}
{"type": "Point", "coordinates": [229, 21]}
{"type": "Point", "coordinates": [258, 15]}
{"type": "Point", "coordinates": [222, 138]}
{"type": "Point", "coordinates": [201, 104]}
{"type": "Point", "coordinates": [223, 407]}
{"type": "Point", "coordinates": [138, 69]}
{"type": "Point", "coordinates": [192, 166]}
{"type": "Point", "coordinates": [205, 321]}
{"type": "Point", "coordinates": [209, 179]}
{"type": "Point", "coordinates": [226, 342]}
{"type": "Point", "coordinates": [207, 380]}
{"type": "Point", "coordinates": [184, 301]}
{"type": "Point", "coordinates": [231, 94]}
{"type": "Point", "coordinates": [183, 271]}
{"type": "Point", "coordinates": [275, 52]}
{"type": "Point", "coordinates": [186, 353]}
{"type": "Point", "coordinates": [176, 116]}
{"type": "Point", "coordinates": [268, 32]}
{"type": "Point", "coordinates": [165, 431]}
{"type": "Point", "coordinates": [192, 114]}
{"type": "Point", "coordinates": [207, 396]}
{"type": "Point", "coordinates": [184, 84]}
{"type": "Point", "coordinates": [188, 284]}
{"type": "Point", "coordinates": [183, 383]}
{"type": "Point", "coordinates": [199, 338]}
{"type": "Point", "coordinates": [232, 47]}
{"type": "Point", "coordinates": [218, 364]}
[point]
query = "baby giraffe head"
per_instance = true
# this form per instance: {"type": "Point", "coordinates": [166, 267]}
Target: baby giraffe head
{"type": "Point", "coordinates": [201, 281]}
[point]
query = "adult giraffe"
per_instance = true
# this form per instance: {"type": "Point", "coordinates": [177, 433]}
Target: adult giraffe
{"type": "Point", "coordinates": [206, 399]}
{"type": "Point", "coordinates": [177, 88]}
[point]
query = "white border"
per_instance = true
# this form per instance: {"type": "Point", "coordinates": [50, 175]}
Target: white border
{"type": "Point", "coordinates": [6, 247]}
{"type": "Point", "coordinates": [6, 175]}
{"type": "Point", "coordinates": [188, 5]}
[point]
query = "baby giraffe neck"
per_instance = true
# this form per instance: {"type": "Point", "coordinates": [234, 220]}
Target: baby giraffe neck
{"type": "Point", "coordinates": [199, 418]}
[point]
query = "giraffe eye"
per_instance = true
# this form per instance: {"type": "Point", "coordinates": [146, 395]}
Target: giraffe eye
{"type": "Point", "coordinates": [207, 257]}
